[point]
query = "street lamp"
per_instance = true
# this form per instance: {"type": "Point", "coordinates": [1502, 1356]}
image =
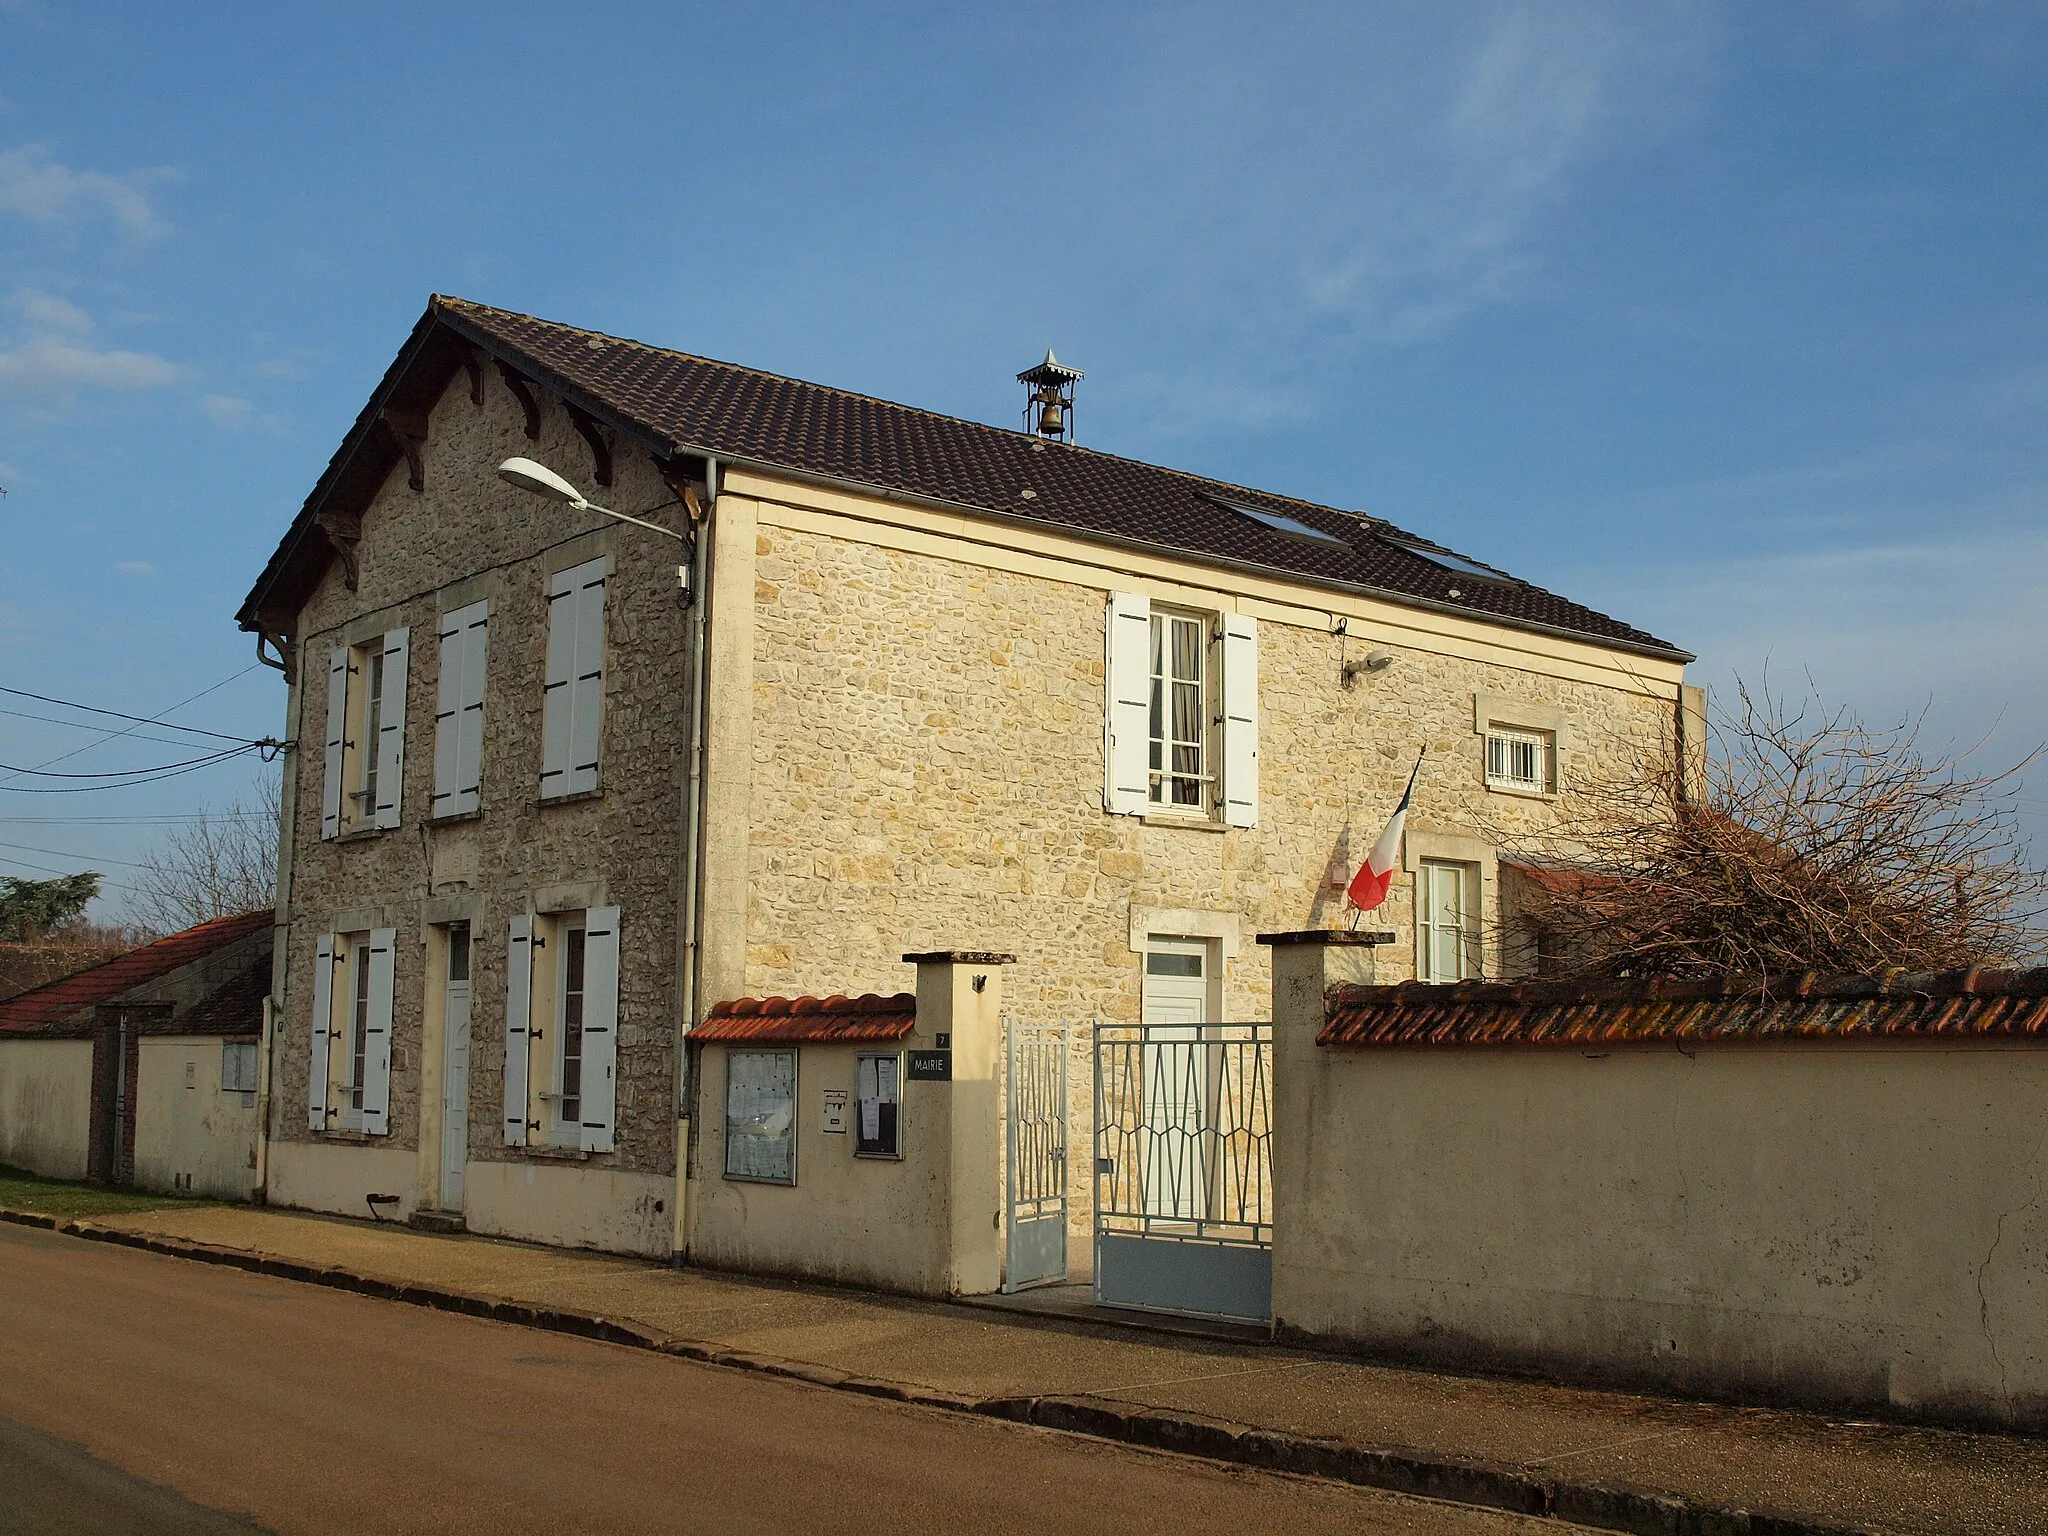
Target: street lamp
{"type": "Point", "coordinates": [542, 481]}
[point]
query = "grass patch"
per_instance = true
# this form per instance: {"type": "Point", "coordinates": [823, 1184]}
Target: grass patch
{"type": "Point", "coordinates": [24, 1191]}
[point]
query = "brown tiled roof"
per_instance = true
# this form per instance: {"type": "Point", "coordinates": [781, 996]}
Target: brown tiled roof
{"type": "Point", "coordinates": [815, 1020]}
{"type": "Point", "coordinates": [235, 1007]}
{"type": "Point", "coordinates": [675, 403]}
{"type": "Point", "coordinates": [103, 983]}
{"type": "Point", "coordinates": [1938, 1004]}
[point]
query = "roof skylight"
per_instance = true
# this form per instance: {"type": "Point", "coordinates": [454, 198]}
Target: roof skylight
{"type": "Point", "coordinates": [1457, 564]}
{"type": "Point", "coordinates": [1277, 522]}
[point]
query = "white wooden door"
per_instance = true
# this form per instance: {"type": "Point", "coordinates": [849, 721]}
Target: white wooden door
{"type": "Point", "coordinates": [455, 1071]}
{"type": "Point", "coordinates": [1175, 1004]}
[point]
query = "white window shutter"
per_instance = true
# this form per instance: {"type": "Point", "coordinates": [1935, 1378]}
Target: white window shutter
{"type": "Point", "coordinates": [1240, 720]}
{"type": "Point", "coordinates": [600, 1028]}
{"type": "Point", "coordinates": [518, 1022]}
{"type": "Point", "coordinates": [337, 740]}
{"type": "Point", "coordinates": [1127, 705]}
{"type": "Point", "coordinates": [390, 743]}
{"type": "Point", "coordinates": [377, 1033]}
{"type": "Point", "coordinates": [558, 691]}
{"type": "Point", "coordinates": [321, 1033]}
{"type": "Point", "coordinates": [586, 716]}
{"type": "Point", "coordinates": [459, 712]}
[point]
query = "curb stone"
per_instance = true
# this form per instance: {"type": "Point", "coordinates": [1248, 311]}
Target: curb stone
{"type": "Point", "coordinates": [1639, 1512]}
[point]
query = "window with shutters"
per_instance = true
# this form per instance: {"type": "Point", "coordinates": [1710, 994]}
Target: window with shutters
{"type": "Point", "coordinates": [561, 1021]}
{"type": "Point", "coordinates": [365, 759]}
{"type": "Point", "coordinates": [572, 703]}
{"type": "Point", "coordinates": [1180, 720]}
{"type": "Point", "coordinates": [351, 1031]}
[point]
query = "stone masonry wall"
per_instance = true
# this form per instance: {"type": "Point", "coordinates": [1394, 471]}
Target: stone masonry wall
{"type": "Point", "coordinates": [465, 537]}
{"type": "Point", "coordinates": [927, 773]}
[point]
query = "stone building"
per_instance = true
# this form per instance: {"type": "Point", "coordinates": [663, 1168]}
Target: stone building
{"type": "Point", "coordinates": [904, 683]}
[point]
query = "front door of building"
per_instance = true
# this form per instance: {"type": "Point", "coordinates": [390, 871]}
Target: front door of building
{"type": "Point", "coordinates": [1175, 1005]}
{"type": "Point", "coordinates": [455, 1070]}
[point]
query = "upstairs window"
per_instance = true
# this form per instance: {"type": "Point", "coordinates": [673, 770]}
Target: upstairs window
{"type": "Point", "coordinates": [1518, 760]}
{"type": "Point", "coordinates": [1180, 713]}
{"type": "Point", "coordinates": [1179, 739]}
{"type": "Point", "coordinates": [364, 768]}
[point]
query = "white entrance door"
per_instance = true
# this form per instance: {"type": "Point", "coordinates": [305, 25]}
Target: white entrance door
{"type": "Point", "coordinates": [455, 1070]}
{"type": "Point", "coordinates": [1175, 1004]}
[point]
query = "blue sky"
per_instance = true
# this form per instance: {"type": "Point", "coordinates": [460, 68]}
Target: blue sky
{"type": "Point", "coordinates": [1727, 319]}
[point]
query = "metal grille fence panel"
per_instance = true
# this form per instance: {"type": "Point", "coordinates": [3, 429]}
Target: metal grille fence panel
{"type": "Point", "coordinates": [1035, 1153]}
{"type": "Point", "coordinates": [1183, 1167]}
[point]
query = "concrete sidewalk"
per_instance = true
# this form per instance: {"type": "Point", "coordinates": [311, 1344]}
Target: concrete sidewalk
{"type": "Point", "coordinates": [1599, 1458]}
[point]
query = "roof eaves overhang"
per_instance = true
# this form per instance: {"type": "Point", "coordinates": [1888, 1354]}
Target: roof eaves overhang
{"type": "Point", "coordinates": [292, 550]}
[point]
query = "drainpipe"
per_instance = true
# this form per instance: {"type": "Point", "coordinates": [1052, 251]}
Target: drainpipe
{"type": "Point", "coordinates": [693, 844]}
{"type": "Point", "coordinates": [260, 1194]}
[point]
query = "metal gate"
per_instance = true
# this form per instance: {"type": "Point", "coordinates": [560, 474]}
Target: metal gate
{"type": "Point", "coordinates": [1035, 1144]}
{"type": "Point", "coordinates": [1184, 1170]}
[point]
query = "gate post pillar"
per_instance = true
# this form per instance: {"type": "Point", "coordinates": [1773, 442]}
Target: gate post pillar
{"type": "Point", "coordinates": [1306, 965]}
{"type": "Point", "coordinates": [959, 1019]}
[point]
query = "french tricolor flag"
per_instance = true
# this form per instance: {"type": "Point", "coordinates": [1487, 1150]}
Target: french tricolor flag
{"type": "Point", "coordinates": [1369, 886]}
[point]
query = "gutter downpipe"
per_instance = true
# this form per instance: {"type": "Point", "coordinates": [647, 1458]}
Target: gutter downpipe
{"type": "Point", "coordinates": [693, 846]}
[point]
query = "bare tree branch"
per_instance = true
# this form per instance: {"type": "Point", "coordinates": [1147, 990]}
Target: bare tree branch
{"type": "Point", "coordinates": [1814, 843]}
{"type": "Point", "coordinates": [223, 863]}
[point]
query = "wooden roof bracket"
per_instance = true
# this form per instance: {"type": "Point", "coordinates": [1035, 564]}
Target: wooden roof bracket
{"type": "Point", "coordinates": [522, 391]}
{"type": "Point", "coordinates": [342, 531]}
{"type": "Point", "coordinates": [593, 434]}
{"type": "Point", "coordinates": [409, 430]}
{"type": "Point", "coordinates": [473, 365]}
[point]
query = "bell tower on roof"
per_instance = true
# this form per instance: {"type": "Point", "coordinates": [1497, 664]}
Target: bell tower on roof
{"type": "Point", "coordinates": [1049, 407]}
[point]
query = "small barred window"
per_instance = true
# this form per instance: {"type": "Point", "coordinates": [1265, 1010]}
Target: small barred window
{"type": "Point", "coordinates": [1518, 760]}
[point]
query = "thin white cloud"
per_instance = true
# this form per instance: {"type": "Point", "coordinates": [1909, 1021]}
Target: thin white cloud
{"type": "Point", "coordinates": [47, 312]}
{"type": "Point", "coordinates": [230, 413]}
{"type": "Point", "coordinates": [135, 568]}
{"type": "Point", "coordinates": [43, 190]}
{"type": "Point", "coordinates": [50, 368]}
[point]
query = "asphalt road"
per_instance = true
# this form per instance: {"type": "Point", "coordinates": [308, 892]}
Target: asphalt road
{"type": "Point", "coordinates": [140, 1393]}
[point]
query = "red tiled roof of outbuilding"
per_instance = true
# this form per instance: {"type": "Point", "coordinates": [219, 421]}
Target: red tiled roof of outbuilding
{"type": "Point", "coordinates": [1975, 1003]}
{"type": "Point", "coordinates": [73, 994]}
{"type": "Point", "coordinates": [812, 1020]}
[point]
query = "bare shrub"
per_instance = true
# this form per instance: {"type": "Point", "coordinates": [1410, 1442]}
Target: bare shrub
{"type": "Point", "coordinates": [1808, 842]}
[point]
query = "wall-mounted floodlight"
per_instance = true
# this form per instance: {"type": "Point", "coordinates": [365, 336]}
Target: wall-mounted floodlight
{"type": "Point", "coordinates": [1372, 661]}
{"type": "Point", "coordinates": [542, 481]}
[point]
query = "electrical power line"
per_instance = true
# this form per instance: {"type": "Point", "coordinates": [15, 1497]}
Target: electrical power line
{"type": "Point", "coordinates": [115, 735]}
{"type": "Point", "coordinates": [94, 709]}
{"type": "Point", "coordinates": [168, 773]}
{"type": "Point", "coordinates": [131, 773]}
{"type": "Point", "coordinates": [81, 725]}
{"type": "Point", "coordinates": [59, 853]}
{"type": "Point", "coordinates": [133, 821]}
